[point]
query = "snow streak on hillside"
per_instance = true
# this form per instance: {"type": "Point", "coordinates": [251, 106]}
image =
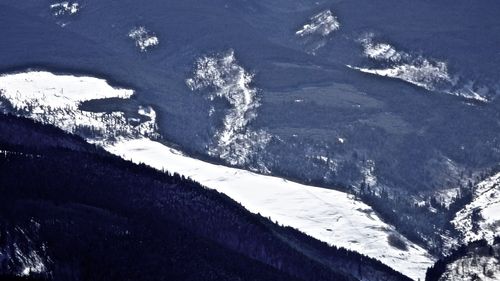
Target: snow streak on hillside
{"type": "Point", "coordinates": [481, 218]}
{"type": "Point", "coordinates": [427, 73]}
{"type": "Point", "coordinates": [328, 215]}
{"type": "Point", "coordinates": [222, 77]}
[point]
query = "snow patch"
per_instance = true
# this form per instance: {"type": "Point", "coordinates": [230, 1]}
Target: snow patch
{"type": "Point", "coordinates": [430, 74]}
{"type": "Point", "coordinates": [381, 51]}
{"type": "Point", "coordinates": [65, 8]}
{"type": "Point", "coordinates": [224, 78]}
{"type": "Point", "coordinates": [316, 32]}
{"type": "Point", "coordinates": [321, 24]}
{"type": "Point", "coordinates": [144, 39]}
{"type": "Point", "coordinates": [55, 99]}
{"type": "Point", "coordinates": [481, 218]}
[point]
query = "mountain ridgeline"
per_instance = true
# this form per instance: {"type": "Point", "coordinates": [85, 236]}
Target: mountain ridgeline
{"type": "Point", "coordinates": [71, 211]}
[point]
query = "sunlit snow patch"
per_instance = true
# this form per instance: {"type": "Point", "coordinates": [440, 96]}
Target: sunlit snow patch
{"type": "Point", "coordinates": [481, 218]}
{"type": "Point", "coordinates": [328, 215]}
{"type": "Point", "coordinates": [65, 8]}
{"type": "Point", "coordinates": [430, 74]}
{"type": "Point", "coordinates": [381, 51]}
{"type": "Point", "coordinates": [322, 24]}
{"type": "Point", "coordinates": [144, 39]}
{"type": "Point", "coordinates": [55, 99]}
{"type": "Point", "coordinates": [316, 32]}
{"type": "Point", "coordinates": [422, 73]}
{"type": "Point", "coordinates": [223, 77]}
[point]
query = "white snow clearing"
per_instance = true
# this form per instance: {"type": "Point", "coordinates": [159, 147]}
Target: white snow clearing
{"type": "Point", "coordinates": [486, 206]}
{"type": "Point", "coordinates": [328, 215]}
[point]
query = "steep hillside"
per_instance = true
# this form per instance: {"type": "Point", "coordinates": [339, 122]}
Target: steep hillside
{"type": "Point", "coordinates": [70, 211]}
{"type": "Point", "coordinates": [334, 217]}
{"type": "Point", "coordinates": [400, 96]}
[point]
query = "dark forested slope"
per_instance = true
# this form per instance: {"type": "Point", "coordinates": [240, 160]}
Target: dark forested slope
{"type": "Point", "coordinates": [69, 210]}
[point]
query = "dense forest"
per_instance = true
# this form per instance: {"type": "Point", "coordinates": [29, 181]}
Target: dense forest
{"type": "Point", "coordinates": [71, 211]}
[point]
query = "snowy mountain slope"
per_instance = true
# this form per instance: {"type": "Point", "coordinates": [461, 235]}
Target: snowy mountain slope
{"type": "Point", "coordinates": [402, 129]}
{"type": "Point", "coordinates": [133, 204]}
{"type": "Point", "coordinates": [328, 215]}
{"type": "Point", "coordinates": [480, 219]}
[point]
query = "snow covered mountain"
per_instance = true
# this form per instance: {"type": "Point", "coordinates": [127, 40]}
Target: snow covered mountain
{"type": "Point", "coordinates": [327, 215]}
{"type": "Point", "coordinates": [391, 106]}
